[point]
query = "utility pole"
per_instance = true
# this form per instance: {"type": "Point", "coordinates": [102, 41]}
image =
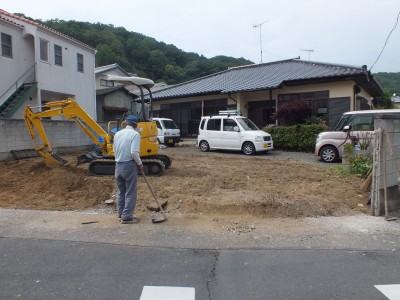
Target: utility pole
{"type": "Point", "coordinates": [259, 25]}
{"type": "Point", "coordinates": [309, 51]}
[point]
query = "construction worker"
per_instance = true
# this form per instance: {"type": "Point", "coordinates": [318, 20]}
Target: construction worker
{"type": "Point", "coordinates": [128, 163]}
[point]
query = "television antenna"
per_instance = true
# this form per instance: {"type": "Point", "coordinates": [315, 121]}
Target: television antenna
{"type": "Point", "coordinates": [260, 25]}
{"type": "Point", "coordinates": [309, 51]}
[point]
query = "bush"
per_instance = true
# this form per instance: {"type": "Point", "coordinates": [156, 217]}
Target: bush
{"type": "Point", "coordinates": [295, 138]}
{"type": "Point", "coordinates": [360, 164]}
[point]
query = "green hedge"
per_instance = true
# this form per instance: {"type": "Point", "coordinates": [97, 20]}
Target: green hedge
{"type": "Point", "coordinates": [295, 138]}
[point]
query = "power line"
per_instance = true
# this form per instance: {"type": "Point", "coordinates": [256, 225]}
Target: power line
{"type": "Point", "coordinates": [394, 27]}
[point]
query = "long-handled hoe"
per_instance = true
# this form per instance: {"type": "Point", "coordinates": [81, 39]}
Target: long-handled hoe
{"type": "Point", "coordinates": [156, 218]}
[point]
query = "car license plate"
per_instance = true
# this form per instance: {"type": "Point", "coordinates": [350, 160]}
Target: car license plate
{"type": "Point", "coordinates": [266, 145]}
{"type": "Point", "coordinates": [170, 141]}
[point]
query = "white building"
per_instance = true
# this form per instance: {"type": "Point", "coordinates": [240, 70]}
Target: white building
{"type": "Point", "coordinates": [39, 64]}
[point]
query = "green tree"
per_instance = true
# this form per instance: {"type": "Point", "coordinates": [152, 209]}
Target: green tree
{"type": "Point", "coordinates": [386, 100]}
{"type": "Point", "coordinates": [156, 64]}
{"type": "Point", "coordinates": [173, 74]}
{"type": "Point", "coordinates": [389, 81]}
{"type": "Point", "coordinates": [105, 55]}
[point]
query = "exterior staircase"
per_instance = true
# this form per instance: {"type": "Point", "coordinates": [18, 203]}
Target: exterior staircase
{"type": "Point", "coordinates": [18, 98]}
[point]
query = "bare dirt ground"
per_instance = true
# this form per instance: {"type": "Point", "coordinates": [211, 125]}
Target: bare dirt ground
{"type": "Point", "coordinates": [210, 184]}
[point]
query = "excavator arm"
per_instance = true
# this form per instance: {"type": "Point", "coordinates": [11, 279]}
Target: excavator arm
{"type": "Point", "coordinates": [71, 111]}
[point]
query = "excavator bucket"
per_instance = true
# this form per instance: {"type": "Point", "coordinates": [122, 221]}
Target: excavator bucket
{"type": "Point", "coordinates": [58, 158]}
{"type": "Point", "coordinates": [53, 159]}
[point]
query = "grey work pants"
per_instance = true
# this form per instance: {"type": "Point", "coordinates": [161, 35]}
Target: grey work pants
{"type": "Point", "coordinates": [126, 179]}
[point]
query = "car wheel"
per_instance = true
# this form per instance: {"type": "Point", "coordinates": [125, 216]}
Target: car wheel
{"type": "Point", "coordinates": [248, 148]}
{"type": "Point", "coordinates": [204, 146]}
{"type": "Point", "coordinates": [329, 154]}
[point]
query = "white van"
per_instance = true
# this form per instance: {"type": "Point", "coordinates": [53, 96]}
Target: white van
{"type": "Point", "coordinates": [168, 131]}
{"type": "Point", "coordinates": [356, 125]}
{"type": "Point", "coordinates": [229, 131]}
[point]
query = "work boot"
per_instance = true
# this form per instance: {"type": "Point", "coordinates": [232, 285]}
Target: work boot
{"type": "Point", "coordinates": [130, 221]}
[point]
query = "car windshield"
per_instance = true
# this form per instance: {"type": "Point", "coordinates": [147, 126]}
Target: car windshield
{"type": "Point", "coordinates": [169, 124]}
{"type": "Point", "coordinates": [247, 124]}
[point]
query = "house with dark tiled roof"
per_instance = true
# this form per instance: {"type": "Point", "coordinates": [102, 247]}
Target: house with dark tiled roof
{"type": "Point", "coordinates": [39, 64]}
{"type": "Point", "coordinates": [258, 90]}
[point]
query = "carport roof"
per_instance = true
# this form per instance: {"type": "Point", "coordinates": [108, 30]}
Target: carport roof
{"type": "Point", "coordinates": [269, 76]}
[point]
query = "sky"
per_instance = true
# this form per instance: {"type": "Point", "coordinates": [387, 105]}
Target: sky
{"type": "Point", "coordinates": [350, 32]}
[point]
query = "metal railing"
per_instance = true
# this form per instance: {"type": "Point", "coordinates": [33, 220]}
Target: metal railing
{"type": "Point", "coordinates": [28, 76]}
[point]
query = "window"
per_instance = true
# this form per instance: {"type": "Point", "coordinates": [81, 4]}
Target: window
{"type": "Point", "coordinates": [80, 62]}
{"type": "Point", "coordinates": [214, 124]}
{"type": "Point", "coordinates": [229, 125]}
{"type": "Point", "coordinates": [203, 121]}
{"type": "Point", "coordinates": [170, 124]}
{"type": "Point", "coordinates": [57, 55]}
{"type": "Point", "coordinates": [107, 83]}
{"type": "Point", "coordinates": [362, 123]}
{"type": "Point", "coordinates": [44, 50]}
{"type": "Point", "coordinates": [305, 96]}
{"type": "Point", "coordinates": [247, 124]}
{"type": "Point", "coordinates": [6, 45]}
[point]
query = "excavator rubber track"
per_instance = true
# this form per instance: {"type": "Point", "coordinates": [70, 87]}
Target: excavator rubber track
{"type": "Point", "coordinates": [151, 167]}
{"type": "Point", "coordinates": [164, 158]}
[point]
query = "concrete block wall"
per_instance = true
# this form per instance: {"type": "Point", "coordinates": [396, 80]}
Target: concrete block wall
{"type": "Point", "coordinates": [386, 168]}
{"type": "Point", "coordinates": [63, 136]}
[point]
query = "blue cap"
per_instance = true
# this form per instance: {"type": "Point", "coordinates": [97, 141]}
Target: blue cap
{"type": "Point", "coordinates": [132, 119]}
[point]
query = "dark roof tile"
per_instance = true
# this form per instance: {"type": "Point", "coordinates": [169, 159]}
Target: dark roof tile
{"type": "Point", "coordinates": [258, 77]}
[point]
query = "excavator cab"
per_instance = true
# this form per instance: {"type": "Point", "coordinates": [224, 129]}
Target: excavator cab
{"type": "Point", "coordinates": [147, 128]}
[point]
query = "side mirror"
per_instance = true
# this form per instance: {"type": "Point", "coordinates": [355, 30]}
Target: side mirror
{"type": "Point", "coordinates": [236, 128]}
{"type": "Point", "coordinates": [347, 128]}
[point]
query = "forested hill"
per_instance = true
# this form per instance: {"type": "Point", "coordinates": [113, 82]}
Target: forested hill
{"type": "Point", "coordinates": [390, 82]}
{"type": "Point", "coordinates": [142, 55]}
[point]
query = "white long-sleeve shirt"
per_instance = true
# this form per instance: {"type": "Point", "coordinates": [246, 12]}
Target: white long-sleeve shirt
{"type": "Point", "coordinates": [127, 145]}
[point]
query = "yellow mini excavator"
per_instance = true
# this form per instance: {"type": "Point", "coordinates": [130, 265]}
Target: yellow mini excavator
{"type": "Point", "coordinates": [101, 162]}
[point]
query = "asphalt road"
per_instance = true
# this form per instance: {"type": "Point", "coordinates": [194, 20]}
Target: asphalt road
{"type": "Point", "coordinates": [49, 269]}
